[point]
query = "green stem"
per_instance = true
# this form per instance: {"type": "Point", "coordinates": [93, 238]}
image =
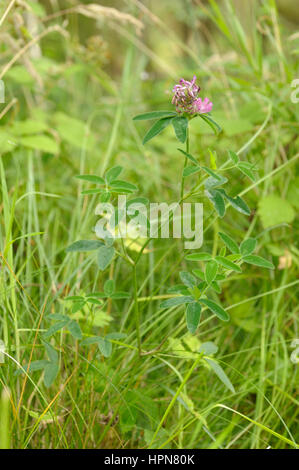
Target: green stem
{"type": "Point", "coordinates": [137, 318]}
{"type": "Point", "coordinates": [185, 164]}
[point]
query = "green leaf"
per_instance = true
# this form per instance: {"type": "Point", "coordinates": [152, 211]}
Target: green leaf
{"type": "Point", "coordinates": [212, 183]}
{"type": "Point", "coordinates": [193, 313]}
{"type": "Point", "coordinates": [37, 9]}
{"type": "Point", "coordinates": [208, 348]}
{"type": "Point", "coordinates": [220, 374]}
{"type": "Point", "coordinates": [229, 242]}
{"type": "Point", "coordinates": [109, 287]}
{"type": "Point", "coordinates": [174, 301]}
{"type": "Point", "coordinates": [113, 173]}
{"type": "Point", "coordinates": [90, 340]}
{"type": "Point", "coordinates": [198, 257]}
{"type": "Point", "coordinates": [216, 287]}
{"type": "Point", "coordinates": [105, 347]}
{"type": "Point", "coordinates": [237, 203]}
{"type": "Point", "coordinates": [57, 316]}
{"type": "Point", "coordinates": [246, 171]}
{"type": "Point", "coordinates": [51, 372]}
{"type": "Point", "coordinates": [248, 246]}
{"type": "Point", "coordinates": [34, 366]}
{"type": "Point", "coordinates": [28, 127]}
{"type": "Point", "coordinates": [40, 142]}
{"type": "Point", "coordinates": [120, 186]}
{"type": "Point", "coordinates": [217, 200]}
{"type": "Point", "coordinates": [211, 271]}
{"type": "Point", "coordinates": [258, 261]}
{"type": "Point", "coordinates": [213, 124]}
{"type": "Point", "coordinates": [180, 125]}
{"type": "Point", "coordinates": [51, 352]}
{"type": "Point", "coordinates": [74, 297]}
{"type": "Point", "coordinates": [213, 174]}
{"type": "Point", "coordinates": [189, 156]}
{"type": "Point", "coordinates": [213, 159]}
{"type": "Point", "coordinates": [100, 295]}
{"type": "Point", "coordinates": [84, 245]}
{"type": "Point", "coordinates": [158, 127]}
{"type": "Point", "coordinates": [75, 330]}
{"type": "Point", "coordinates": [94, 301]}
{"type": "Point", "coordinates": [178, 289]}
{"type": "Point", "coordinates": [153, 115]}
{"type": "Point", "coordinates": [227, 264]}
{"type": "Point", "coordinates": [200, 274]}
{"type": "Point", "coordinates": [188, 279]}
{"type": "Point", "coordinates": [273, 210]}
{"type": "Point", "coordinates": [120, 295]}
{"type": "Point", "coordinates": [105, 256]}
{"type": "Point", "coordinates": [233, 156]}
{"type": "Point", "coordinates": [105, 196]}
{"type": "Point", "coordinates": [73, 131]}
{"type": "Point", "coordinates": [54, 328]}
{"type": "Point", "coordinates": [190, 170]}
{"type": "Point", "coordinates": [92, 178]}
{"type": "Point", "coordinates": [216, 308]}
{"type": "Point", "coordinates": [138, 200]}
{"type": "Point", "coordinates": [77, 306]}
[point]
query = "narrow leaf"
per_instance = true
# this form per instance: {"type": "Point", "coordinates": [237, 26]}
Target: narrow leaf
{"type": "Point", "coordinates": [248, 246]}
{"type": "Point", "coordinates": [237, 203]}
{"type": "Point", "coordinates": [246, 171]}
{"type": "Point", "coordinates": [226, 263]}
{"type": "Point", "coordinates": [75, 330]}
{"type": "Point", "coordinates": [54, 328]}
{"type": "Point", "coordinates": [190, 170]}
{"type": "Point", "coordinates": [105, 256]}
{"type": "Point", "coordinates": [220, 374]}
{"type": "Point", "coordinates": [119, 184]}
{"type": "Point", "coordinates": [229, 242]}
{"type": "Point", "coordinates": [158, 127]}
{"type": "Point", "coordinates": [233, 156]}
{"type": "Point", "coordinates": [258, 261]}
{"type": "Point", "coordinates": [174, 301]}
{"type": "Point", "coordinates": [120, 295]}
{"type": "Point", "coordinates": [217, 200]}
{"type": "Point", "coordinates": [105, 347]}
{"type": "Point", "coordinates": [211, 271]}
{"type": "Point", "coordinates": [85, 245]}
{"type": "Point", "coordinates": [213, 124]}
{"type": "Point", "coordinates": [208, 348]}
{"type": "Point", "coordinates": [153, 115]}
{"type": "Point", "coordinates": [193, 313]}
{"type": "Point", "coordinates": [188, 155]}
{"type": "Point", "coordinates": [109, 287]}
{"type": "Point", "coordinates": [188, 279]}
{"type": "Point", "coordinates": [91, 178]}
{"type": "Point", "coordinates": [216, 308]}
{"type": "Point", "coordinates": [113, 173]}
{"type": "Point", "coordinates": [51, 372]}
{"type": "Point", "coordinates": [180, 125]}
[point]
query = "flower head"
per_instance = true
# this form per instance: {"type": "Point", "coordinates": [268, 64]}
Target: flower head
{"type": "Point", "coordinates": [186, 98]}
